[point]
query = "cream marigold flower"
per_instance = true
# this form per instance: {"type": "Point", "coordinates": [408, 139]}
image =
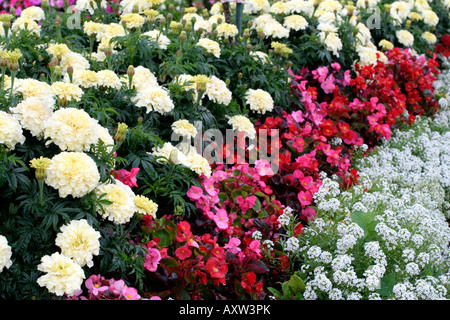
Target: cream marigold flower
{"type": "Point", "coordinates": [10, 131]}
{"type": "Point", "coordinates": [168, 152]}
{"type": "Point", "coordinates": [58, 49]}
{"type": "Point", "coordinates": [332, 42]}
{"type": "Point", "coordinates": [405, 38]}
{"type": "Point", "coordinates": [5, 253]}
{"type": "Point", "coordinates": [66, 91]}
{"type": "Point", "coordinates": [256, 6]}
{"type": "Point", "coordinates": [295, 22]}
{"type": "Point", "coordinates": [92, 29]}
{"type": "Point", "coordinates": [158, 37]}
{"type": "Point", "coordinates": [72, 173]}
{"type": "Point", "coordinates": [133, 20]}
{"type": "Point", "coordinates": [241, 123]}
{"type": "Point", "coordinates": [108, 79]}
{"type": "Point", "coordinates": [430, 18]}
{"type": "Point", "coordinates": [197, 163]}
{"type": "Point", "coordinates": [122, 208]}
{"type": "Point", "coordinates": [79, 241]}
{"type": "Point", "coordinates": [74, 60]}
{"type": "Point", "coordinates": [62, 274]}
{"type": "Point", "coordinates": [33, 13]}
{"type": "Point", "coordinates": [26, 24]}
{"type": "Point", "coordinates": [280, 8]}
{"type": "Point", "coordinates": [226, 30]}
{"type": "Point", "coordinates": [184, 128]}
{"type": "Point", "coordinates": [145, 206]}
{"type": "Point", "coordinates": [89, 5]}
{"type": "Point", "coordinates": [84, 78]}
{"type": "Point", "coordinates": [386, 45]}
{"type": "Point", "coordinates": [142, 78]}
{"type": "Point", "coordinates": [105, 136]}
{"type": "Point", "coordinates": [71, 129]}
{"type": "Point", "coordinates": [281, 49]}
{"type": "Point", "coordinates": [259, 56]}
{"type": "Point", "coordinates": [429, 37]}
{"type": "Point", "coordinates": [259, 100]}
{"type": "Point", "coordinates": [217, 91]}
{"type": "Point", "coordinates": [211, 46]}
{"type": "Point", "coordinates": [33, 88]}
{"type": "Point", "coordinates": [154, 98]}
{"type": "Point", "coordinates": [33, 112]}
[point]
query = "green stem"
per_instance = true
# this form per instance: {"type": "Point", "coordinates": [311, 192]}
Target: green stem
{"type": "Point", "coordinates": [239, 9]}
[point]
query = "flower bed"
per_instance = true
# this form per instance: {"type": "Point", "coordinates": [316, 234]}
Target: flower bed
{"type": "Point", "coordinates": [170, 150]}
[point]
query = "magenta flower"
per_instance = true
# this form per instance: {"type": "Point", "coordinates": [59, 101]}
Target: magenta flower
{"type": "Point", "coordinates": [194, 193]}
{"type": "Point", "coordinates": [320, 73]}
{"type": "Point", "coordinates": [298, 116]}
{"type": "Point", "coordinates": [328, 85]}
{"type": "Point", "coordinates": [246, 203]}
{"type": "Point", "coordinates": [233, 245]}
{"type": "Point", "coordinates": [255, 247]}
{"type": "Point", "coordinates": [221, 219]}
{"type": "Point", "coordinates": [126, 177]}
{"type": "Point", "coordinates": [152, 259]}
{"type": "Point", "coordinates": [305, 198]}
{"type": "Point", "coordinates": [94, 284]}
{"type": "Point", "coordinates": [263, 168]}
{"type": "Point", "coordinates": [208, 185]}
{"type": "Point", "coordinates": [130, 293]}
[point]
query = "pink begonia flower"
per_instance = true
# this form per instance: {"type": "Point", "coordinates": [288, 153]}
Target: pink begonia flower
{"type": "Point", "coordinates": [255, 247]}
{"type": "Point", "coordinates": [386, 131]}
{"type": "Point", "coordinates": [116, 286]}
{"type": "Point", "coordinates": [320, 73]}
{"type": "Point", "coordinates": [298, 116]}
{"type": "Point", "coordinates": [309, 213]}
{"type": "Point", "coordinates": [264, 168]}
{"type": "Point", "coordinates": [126, 177]}
{"type": "Point", "coordinates": [307, 182]}
{"type": "Point", "coordinates": [336, 66]}
{"type": "Point", "coordinates": [221, 219]}
{"type": "Point", "coordinates": [246, 203]}
{"type": "Point", "coordinates": [233, 244]}
{"type": "Point", "coordinates": [152, 259]}
{"type": "Point", "coordinates": [93, 284]}
{"type": "Point", "coordinates": [328, 85]}
{"type": "Point", "coordinates": [194, 193]}
{"type": "Point", "coordinates": [347, 78]}
{"type": "Point", "coordinates": [298, 174]}
{"type": "Point", "coordinates": [208, 185]}
{"type": "Point", "coordinates": [305, 198]}
{"type": "Point", "coordinates": [130, 293]}
{"type": "Point", "coordinates": [155, 298]}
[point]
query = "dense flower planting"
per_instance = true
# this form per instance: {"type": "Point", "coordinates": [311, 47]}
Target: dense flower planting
{"type": "Point", "coordinates": [166, 149]}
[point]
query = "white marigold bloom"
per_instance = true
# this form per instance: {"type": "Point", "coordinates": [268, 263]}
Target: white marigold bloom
{"type": "Point", "coordinates": [145, 206]}
{"type": "Point", "coordinates": [295, 22]}
{"type": "Point", "coordinates": [430, 18]}
{"type": "Point", "coordinates": [5, 253]}
{"type": "Point", "coordinates": [217, 91]}
{"type": "Point", "coordinates": [330, 6]}
{"type": "Point", "coordinates": [84, 78]}
{"type": "Point", "coordinates": [216, 18]}
{"type": "Point", "coordinates": [105, 136]}
{"type": "Point", "coordinates": [10, 131]}
{"type": "Point", "coordinates": [26, 24]}
{"type": "Point", "coordinates": [71, 129]}
{"type": "Point", "coordinates": [405, 37]}
{"type": "Point", "coordinates": [400, 10]}
{"type": "Point", "coordinates": [33, 88]}
{"type": "Point", "coordinates": [168, 152]}
{"type": "Point", "coordinates": [158, 37]}
{"type": "Point", "coordinates": [226, 30]}
{"type": "Point", "coordinates": [33, 113]}
{"type": "Point", "coordinates": [91, 28]}
{"type": "Point", "coordinates": [58, 49]}
{"type": "Point", "coordinates": [33, 13]}
{"type": "Point", "coordinates": [62, 274]}
{"type": "Point", "coordinates": [259, 100]}
{"type": "Point", "coordinates": [154, 98]}
{"type": "Point", "coordinates": [74, 60]}
{"type": "Point", "coordinates": [66, 91]}
{"type": "Point", "coordinates": [255, 6]}
{"type": "Point", "coordinates": [332, 42]}
{"type": "Point", "coordinates": [301, 6]}
{"type": "Point", "coordinates": [72, 173]}
{"type": "Point", "coordinates": [122, 208]}
{"type": "Point", "coordinates": [133, 20]}
{"type": "Point", "coordinates": [429, 37]}
{"type": "Point", "coordinates": [79, 241]}
{"type": "Point", "coordinates": [275, 30]}
{"type": "Point", "coordinates": [241, 123]}
{"type": "Point", "coordinates": [259, 56]}
{"type": "Point", "coordinates": [367, 55]}
{"type": "Point", "coordinates": [211, 46]}
{"type": "Point", "coordinates": [142, 78]}
{"type": "Point", "coordinates": [108, 79]}
{"type": "Point", "coordinates": [203, 24]}
{"type": "Point", "coordinates": [197, 163]}
{"type": "Point", "coordinates": [89, 5]}
{"type": "Point", "coordinates": [280, 8]}
{"type": "Point", "coordinates": [184, 128]}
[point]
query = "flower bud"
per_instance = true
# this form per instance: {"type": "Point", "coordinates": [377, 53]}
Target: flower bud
{"type": "Point", "coordinates": [122, 129]}
{"type": "Point", "coordinates": [183, 35]}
